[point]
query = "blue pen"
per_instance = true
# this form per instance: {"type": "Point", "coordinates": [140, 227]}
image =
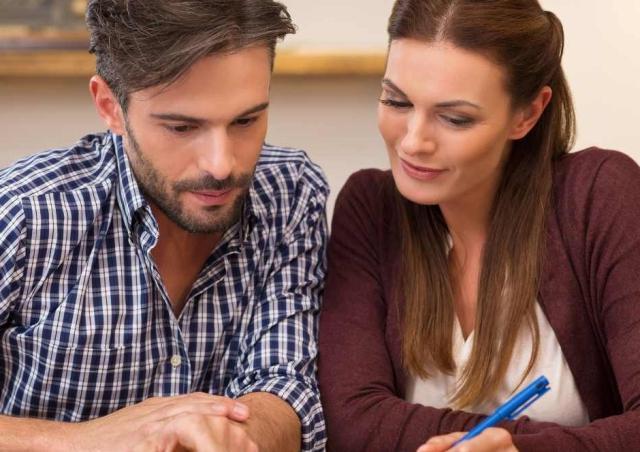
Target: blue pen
{"type": "Point", "coordinates": [512, 408]}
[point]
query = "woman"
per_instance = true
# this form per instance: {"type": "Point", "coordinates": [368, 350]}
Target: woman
{"type": "Point", "coordinates": [488, 255]}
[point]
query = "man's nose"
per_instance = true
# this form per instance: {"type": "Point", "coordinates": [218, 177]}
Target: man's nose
{"type": "Point", "coordinates": [217, 157]}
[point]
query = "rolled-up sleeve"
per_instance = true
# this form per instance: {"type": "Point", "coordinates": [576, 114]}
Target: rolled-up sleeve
{"type": "Point", "coordinates": [11, 254]}
{"type": "Point", "coordinates": [281, 341]}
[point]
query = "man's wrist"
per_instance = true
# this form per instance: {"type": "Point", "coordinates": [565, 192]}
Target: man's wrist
{"type": "Point", "coordinates": [273, 423]}
{"type": "Point", "coordinates": [26, 434]}
{"type": "Point", "coordinates": [65, 437]}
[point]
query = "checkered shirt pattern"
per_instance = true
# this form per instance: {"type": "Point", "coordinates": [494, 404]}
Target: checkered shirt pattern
{"type": "Point", "coordinates": [86, 326]}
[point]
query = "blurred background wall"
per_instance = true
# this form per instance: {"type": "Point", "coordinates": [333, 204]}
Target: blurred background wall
{"type": "Point", "coordinates": [333, 118]}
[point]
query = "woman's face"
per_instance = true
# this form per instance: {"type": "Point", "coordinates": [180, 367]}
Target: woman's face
{"type": "Point", "coordinates": [447, 122]}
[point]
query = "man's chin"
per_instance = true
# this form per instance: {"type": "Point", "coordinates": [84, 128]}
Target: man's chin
{"type": "Point", "coordinates": [210, 219]}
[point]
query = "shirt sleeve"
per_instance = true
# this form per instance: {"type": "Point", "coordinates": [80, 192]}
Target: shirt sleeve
{"type": "Point", "coordinates": [281, 350]}
{"type": "Point", "coordinates": [11, 253]}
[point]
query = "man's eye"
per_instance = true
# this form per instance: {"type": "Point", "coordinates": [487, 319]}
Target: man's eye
{"type": "Point", "coordinates": [182, 128]}
{"type": "Point", "coordinates": [245, 122]}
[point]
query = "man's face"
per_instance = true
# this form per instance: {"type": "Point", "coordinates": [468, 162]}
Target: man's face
{"type": "Point", "coordinates": [194, 145]}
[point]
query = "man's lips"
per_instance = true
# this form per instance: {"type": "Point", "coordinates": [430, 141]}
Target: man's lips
{"type": "Point", "coordinates": [420, 172]}
{"type": "Point", "coordinates": [214, 193]}
{"type": "Point", "coordinates": [213, 197]}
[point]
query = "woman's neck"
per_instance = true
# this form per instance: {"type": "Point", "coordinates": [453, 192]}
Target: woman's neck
{"type": "Point", "coordinates": [468, 222]}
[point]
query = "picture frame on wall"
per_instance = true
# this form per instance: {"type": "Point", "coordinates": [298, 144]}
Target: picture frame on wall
{"type": "Point", "coordinates": [31, 25]}
{"type": "Point", "coordinates": [48, 38]}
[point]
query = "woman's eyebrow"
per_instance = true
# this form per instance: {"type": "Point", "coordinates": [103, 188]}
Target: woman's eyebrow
{"type": "Point", "coordinates": [393, 87]}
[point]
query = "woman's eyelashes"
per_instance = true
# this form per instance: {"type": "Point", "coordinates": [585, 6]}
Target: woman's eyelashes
{"type": "Point", "coordinates": [456, 121]}
{"type": "Point", "coordinates": [395, 103]}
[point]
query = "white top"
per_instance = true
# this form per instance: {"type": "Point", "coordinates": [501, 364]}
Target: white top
{"type": "Point", "coordinates": [561, 404]}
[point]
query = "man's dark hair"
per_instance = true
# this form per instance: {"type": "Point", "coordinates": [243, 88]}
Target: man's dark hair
{"type": "Point", "coordinates": [144, 43]}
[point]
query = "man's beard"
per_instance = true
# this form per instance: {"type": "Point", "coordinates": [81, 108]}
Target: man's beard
{"type": "Point", "coordinates": [154, 188]}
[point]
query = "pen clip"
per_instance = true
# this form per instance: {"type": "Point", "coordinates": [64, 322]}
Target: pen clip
{"type": "Point", "coordinates": [539, 394]}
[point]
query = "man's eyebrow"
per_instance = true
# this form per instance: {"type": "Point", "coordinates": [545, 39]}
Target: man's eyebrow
{"type": "Point", "coordinates": [178, 118]}
{"type": "Point", "coordinates": [393, 87]}
{"type": "Point", "coordinates": [196, 121]}
{"type": "Point", "coordinates": [256, 109]}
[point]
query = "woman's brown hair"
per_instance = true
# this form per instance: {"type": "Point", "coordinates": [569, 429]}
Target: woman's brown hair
{"type": "Point", "coordinates": [527, 43]}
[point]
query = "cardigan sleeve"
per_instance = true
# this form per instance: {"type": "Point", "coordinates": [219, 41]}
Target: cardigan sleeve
{"type": "Point", "coordinates": [606, 239]}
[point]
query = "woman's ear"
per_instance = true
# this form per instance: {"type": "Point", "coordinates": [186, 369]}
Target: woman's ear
{"type": "Point", "coordinates": [106, 104]}
{"type": "Point", "coordinates": [527, 117]}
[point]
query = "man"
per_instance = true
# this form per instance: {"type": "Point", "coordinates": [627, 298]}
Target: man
{"type": "Point", "coordinates": [161, 281]}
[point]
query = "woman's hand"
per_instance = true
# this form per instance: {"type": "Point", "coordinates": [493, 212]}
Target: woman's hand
{"type": "Point", "coordinates": [490, 440]}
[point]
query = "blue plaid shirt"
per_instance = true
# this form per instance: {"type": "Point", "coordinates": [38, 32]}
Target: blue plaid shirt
{"type": "Point", "coordinates": [85, 325]}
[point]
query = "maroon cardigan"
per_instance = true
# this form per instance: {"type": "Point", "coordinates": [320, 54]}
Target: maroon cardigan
{"type": "Point", "coordinates": [590, 292]}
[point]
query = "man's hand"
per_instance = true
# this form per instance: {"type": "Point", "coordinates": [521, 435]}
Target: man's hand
{"type": "Point", "coordinates": [195, 422]}
{"type": "Point", "coordinates": [490, 440]}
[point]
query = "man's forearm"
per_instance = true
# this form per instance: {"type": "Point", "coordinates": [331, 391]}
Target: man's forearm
{"type": "Point", "coordinates": [272, 424]}
{"type": "Point", "coordinates": [24, 434]}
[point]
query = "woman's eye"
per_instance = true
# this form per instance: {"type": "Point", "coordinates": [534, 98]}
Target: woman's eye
{"type": "Point", "coordinates": [245, 122]}
{"type": "Point", "coordinates": [395, 103]}
{"type": "Point", "coordinates": [458, 121]}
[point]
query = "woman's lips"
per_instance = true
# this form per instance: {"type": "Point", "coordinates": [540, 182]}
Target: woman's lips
{"type": "Point", "coordinates": [420, 172]}
{"type": "Point", "coordinates": [213, 197]}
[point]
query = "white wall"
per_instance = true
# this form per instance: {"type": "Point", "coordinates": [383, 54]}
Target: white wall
{"type": "Point", "coordinates": [334, 118]}
{"type": "Point", "coordinates": [331, 24]}
{"type": "Point", "coordinates": [602, 62]}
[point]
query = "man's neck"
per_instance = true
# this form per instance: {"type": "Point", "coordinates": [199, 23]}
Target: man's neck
{"type": "Point", "coordinates": [179, 256]}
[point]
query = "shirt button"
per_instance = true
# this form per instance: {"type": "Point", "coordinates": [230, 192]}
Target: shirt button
{"type": "Point", "coordinates": [176, 360]}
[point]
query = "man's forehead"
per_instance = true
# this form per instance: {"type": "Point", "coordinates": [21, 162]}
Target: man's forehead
{"type": "Point", "coordinates": [217, 85]}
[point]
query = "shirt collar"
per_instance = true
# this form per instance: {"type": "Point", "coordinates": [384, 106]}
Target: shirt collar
{"type": "Point", "coordinates": [252, 212]}
{"type": "Point", "coordinates": [130, 198]}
